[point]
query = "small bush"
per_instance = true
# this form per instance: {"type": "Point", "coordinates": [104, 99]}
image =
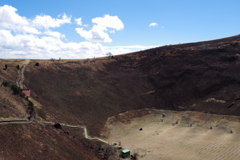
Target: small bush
{"type": "Point", "coordinates": [37, 64]}
{"type": "Point", "coordinates": [22, 94]}
{"type": "Point", "coordinates": [5, 83]}
{"type": "Point", "coordinates": [30, 104]}
{"type": "Point", "coordinates": [16, 89]}
{"type": "Point", "coordinates": [57, 126]}
{"type": "Point", "coordinates": [30, 110]}
{"type": "Point", "coordinates": [18, 67]}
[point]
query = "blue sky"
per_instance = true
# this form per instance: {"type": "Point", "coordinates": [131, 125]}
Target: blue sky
{"type": "Point", "coordinates": [49, 29]}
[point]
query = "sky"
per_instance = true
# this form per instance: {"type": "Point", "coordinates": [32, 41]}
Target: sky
{"type": "Point", "coordinates": [79, 29]}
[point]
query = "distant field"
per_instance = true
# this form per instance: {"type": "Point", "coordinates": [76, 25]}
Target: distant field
{"type": "Point", "coordinates": [166, 140]}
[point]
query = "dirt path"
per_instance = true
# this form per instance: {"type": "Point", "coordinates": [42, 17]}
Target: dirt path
{"type": "Point", "coordinates": [179, 136]}
{"type": "Point", "coordinates": [52, 123]}
{"type": "Point", "coordinates": [21, 73]}
{"type": "Point", "coordinates": [20, 84]}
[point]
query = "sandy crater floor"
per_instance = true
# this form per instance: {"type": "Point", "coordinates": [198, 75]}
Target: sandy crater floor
{"type": "Point", "coordinates": [190, 139]}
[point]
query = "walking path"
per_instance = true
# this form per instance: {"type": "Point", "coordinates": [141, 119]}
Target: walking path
{"type": "Point", "coordinates": [19, 83]}
{"type": "Point", "coordinates": [21, 73]}
{"type": "Point", "coordinates": [52, 123]}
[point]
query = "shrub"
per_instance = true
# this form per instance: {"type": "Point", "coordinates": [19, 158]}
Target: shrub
{"type": "Point", "coordinates": [16, 89]}
{"type": "Point", "coordinates": [5, 83]}
{"type": "Point", "coordinates": [30, 104]}
{"type": "Point", "coordinates": [21, 94]}
{"type": "Point", "coordinates": [18, 67]}
{"type": "Point", "coordinates": [37, 64]}
{"type": "Point", "coordinates": [30, 110]}
{"type": "Point", "coordinates": [57, 126]}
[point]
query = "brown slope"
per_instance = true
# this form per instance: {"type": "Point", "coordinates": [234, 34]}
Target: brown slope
{"type": "Point", "coordinates": [197, 76]}
{"type": "Point", "coordinates": [38, 142]}
{"type": "Point", "coordinates": [11, 106]}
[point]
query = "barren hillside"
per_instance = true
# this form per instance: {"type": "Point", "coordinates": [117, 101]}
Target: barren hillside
{"type": "Point", "coordinates": [199, 76]}
{"type": "Point", "coordinates": [202, 77]}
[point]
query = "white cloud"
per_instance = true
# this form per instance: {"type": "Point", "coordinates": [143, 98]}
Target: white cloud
{"type": "Point", "coordinates": [9, 19]}
{"type": "Point", "coordinates": [54, 34]}
{"type": "Point", "coordinates": [46, 21]}
{"type": "Point", "coordinates": [31, 38]}
{"type": "Point", "coordinates": [109, 22]}
{"type": "Point", "coordinates": [8, 16]}
{"type": "Point", "coordinates": [46, 47]}
{"type": "Point", "coordinates": [153, 24]}
{"type": "Point", "coordinates": [113, 31]}
{"type": "Point", "coordinates": [35, 38]}
{"type": "Point", "coordinates": [78, 21]}
{"type": "Point", "coordinates": [98, 33]}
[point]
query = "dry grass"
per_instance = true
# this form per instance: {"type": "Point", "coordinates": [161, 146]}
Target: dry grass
{"type": "Point", "coordinates": [160, 140]}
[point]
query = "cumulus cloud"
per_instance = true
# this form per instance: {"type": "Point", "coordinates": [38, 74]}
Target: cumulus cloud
{"type": "Point", "coordinates": [78, 21]}
{"type": "Point", "coordinates": [153, 24]}
{"type": "Point", "coordinates": [21, 37]}
{"type": "Point", "coordinates": [35, 38]}
{"type": "Point", "coordinates": [113, 31]}
{"type": "Point", "coordinates": [46, 21]}
{"type": "Point", "coordinates": [109, 21]}
{"type": "Point", "coordinates": [98, 33]}
{"type": "Point", "coordinates": [54, 34]}
{"type": "Point", "coordinates": [32, 46]}
{"type": "Point", "coordinates": [9, 19]}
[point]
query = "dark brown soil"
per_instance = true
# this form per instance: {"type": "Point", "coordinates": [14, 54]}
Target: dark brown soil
{"type": "Point", "coordinates": [201, 77]}
{"type": "Point", "coordinates": [38, 142]}
{"type": "Point", "coordinates": [177, 77]}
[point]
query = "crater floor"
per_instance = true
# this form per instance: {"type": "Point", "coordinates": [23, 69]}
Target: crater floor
{"type": "Point", "coordinates": [171, 135]}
